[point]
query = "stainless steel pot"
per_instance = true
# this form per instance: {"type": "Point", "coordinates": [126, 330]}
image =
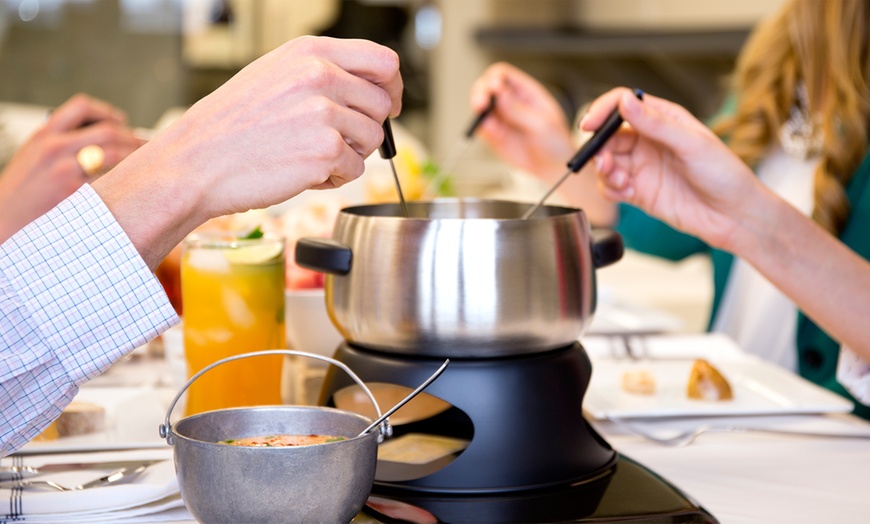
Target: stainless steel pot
{"type": "Point", "coordinates": [459, 277]}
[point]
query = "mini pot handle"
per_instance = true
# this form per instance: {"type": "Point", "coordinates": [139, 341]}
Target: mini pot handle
{"type": "Point", "coordinates": [323, 255]}
{"type": "Point", "coordinates": [607, 247]}
{"type": "Point", "coordinates": [165, 429]}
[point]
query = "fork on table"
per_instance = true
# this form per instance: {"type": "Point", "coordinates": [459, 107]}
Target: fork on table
{"type": "Point", "coordinates": [686, 437]}
{"type": "Point", "coordinates": [117, 477]}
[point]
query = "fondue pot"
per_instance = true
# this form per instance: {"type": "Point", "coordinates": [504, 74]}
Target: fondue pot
{"type": "Point", "coordinates": [460, 277]}
{"type": "Point", "coordinates": [506, 299]}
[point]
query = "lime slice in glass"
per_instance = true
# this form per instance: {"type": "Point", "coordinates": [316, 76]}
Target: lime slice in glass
{"type": "Point", "coordinates": [254, 254]}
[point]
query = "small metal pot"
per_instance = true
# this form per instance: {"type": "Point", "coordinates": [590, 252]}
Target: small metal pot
{"type": "Point", "coordinates": [318, 483]}
{"type": "Point", "coordinates": [460, 277]}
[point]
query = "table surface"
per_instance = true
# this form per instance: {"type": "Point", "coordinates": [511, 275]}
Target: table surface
{"type": "Point", "coordinates": [755, 477]}
{"type": "Point", "coordinates": [738, 477]}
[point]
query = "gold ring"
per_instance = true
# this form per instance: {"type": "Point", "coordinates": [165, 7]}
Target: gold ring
{"type": "Point", "coordinates": [91, 158]}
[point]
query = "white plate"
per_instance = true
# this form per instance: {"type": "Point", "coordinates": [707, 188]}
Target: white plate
{"type": "Point", "coordinates": [133, 416]}
{"type": "Point", "coordinates": [759, 388]}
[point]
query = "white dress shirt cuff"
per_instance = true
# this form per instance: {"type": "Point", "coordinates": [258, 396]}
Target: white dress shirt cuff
{"type": "Point", "coordinates": [854, 374]}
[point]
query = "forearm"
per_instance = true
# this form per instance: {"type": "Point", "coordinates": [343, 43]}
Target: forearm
{"type": "Point", "coordinates": [158, 210]}
{"type": "Point", "coordinates": [827, 280]}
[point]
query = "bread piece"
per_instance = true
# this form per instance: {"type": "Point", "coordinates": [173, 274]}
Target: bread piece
{"type": "Point", "coordinates": [707, 383]}
{"type": "Point", "coordinates": [49, 433]}
{"type": "Point", "coordinates": [80, 418]}
{"type": "Point", "coordinates": [639, 382]}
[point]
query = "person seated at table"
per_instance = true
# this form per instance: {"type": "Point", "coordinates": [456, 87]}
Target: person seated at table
{"type": "Point", "coordinates": [81, 139]}
{"type": "Point", "coordinates": [670, 165]}
{"type": "Point", "coordinates": [798, 114]}
{"type": "Point", "coordinates": [77, 290]}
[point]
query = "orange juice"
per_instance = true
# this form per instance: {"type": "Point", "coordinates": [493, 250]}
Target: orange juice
{"type": "Point", "coordinates": [233, 295]}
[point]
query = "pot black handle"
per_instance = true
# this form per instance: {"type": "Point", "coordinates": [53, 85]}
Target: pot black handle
{"type": "Point", "coordinates": [323, 255]}
{"type": "Point", "coordinates": [607, 247]}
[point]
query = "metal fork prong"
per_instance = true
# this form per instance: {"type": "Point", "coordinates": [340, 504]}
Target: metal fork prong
{"type": "Point", "coordinates": [614, 345]}
{"type": "Point", "coordinates": [644, 346]}
{"type": "Point", "coordinates": [629, 348]}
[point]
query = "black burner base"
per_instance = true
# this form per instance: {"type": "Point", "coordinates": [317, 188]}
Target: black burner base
{"type": "Point", "coordinates": [627, 492]}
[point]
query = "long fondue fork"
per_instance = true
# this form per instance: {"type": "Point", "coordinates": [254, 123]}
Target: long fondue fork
{"type": "Point", "coordinates": [458, 149]}
{"type": "Point", "coordinates": [388, 151]}
{"type": "Point", "coordinates": [587, 151]}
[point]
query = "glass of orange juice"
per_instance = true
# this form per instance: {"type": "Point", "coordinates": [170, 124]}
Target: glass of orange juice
{"type": "Point", "coordinates": [233, 294]}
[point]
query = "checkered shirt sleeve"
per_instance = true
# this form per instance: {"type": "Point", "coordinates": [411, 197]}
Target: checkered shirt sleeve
{"type": "Point", "coordinates": [75, 296]}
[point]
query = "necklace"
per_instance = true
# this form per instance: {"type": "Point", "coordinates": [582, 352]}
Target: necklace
{"type": "Point", "coordinates": [799, 135]}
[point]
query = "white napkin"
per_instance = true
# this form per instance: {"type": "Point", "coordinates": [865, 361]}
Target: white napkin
{"type": "Point", "coordinates": [154, 491]}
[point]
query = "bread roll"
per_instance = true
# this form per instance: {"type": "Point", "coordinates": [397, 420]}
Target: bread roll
{"type": "Point", "coordinates": [49, 433]}
{"type": "Point", "coordinates": [80, 418]}
{"type": "Point", "coordinates": [639, 382]}
{"type": "Point", "coordinates": [707, 383]}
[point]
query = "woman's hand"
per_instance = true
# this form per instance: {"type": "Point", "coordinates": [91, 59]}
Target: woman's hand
{"type": "Point", "coordinates": [527, 128]}
{"type": "Point", "coordinates": [672, 166]}
{"type": "Point", "coordinates": [45, 170]}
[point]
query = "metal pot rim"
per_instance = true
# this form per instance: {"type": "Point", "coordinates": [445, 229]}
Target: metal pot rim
{"type": "Point", "coordinates": [545, 212]}
{"type": "Point", "coordinates": [227, 411]}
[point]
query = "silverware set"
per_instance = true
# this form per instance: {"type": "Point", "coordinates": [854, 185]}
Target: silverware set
{"type": "Point", "coordinates": [20, 476]}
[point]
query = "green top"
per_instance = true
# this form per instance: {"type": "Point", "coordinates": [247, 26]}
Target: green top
{"type": "Point", "coordinates": [817, 351]}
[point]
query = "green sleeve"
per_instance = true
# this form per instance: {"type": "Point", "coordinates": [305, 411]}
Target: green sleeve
{"type": "Point", "coordinates": [646, 234]}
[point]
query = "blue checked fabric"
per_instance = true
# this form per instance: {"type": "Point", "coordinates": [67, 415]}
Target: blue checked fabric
{"type": "Point", "coordinates": [75, 296]}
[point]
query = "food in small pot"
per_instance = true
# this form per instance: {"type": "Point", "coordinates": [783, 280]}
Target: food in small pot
{"type": "Point", "coordinates": [282, 441]}
{"type": "Point", "coordinates": [707, 383]}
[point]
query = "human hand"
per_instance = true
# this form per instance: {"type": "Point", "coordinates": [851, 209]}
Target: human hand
{"type": "Point", "coordinates": [527, 128]}
{"type": "Point", "coordinates": [672, 166]}
{"type": "Point", "coordinates": [305, 115]}
{"type": "Point", "coordinates": [44, 170]}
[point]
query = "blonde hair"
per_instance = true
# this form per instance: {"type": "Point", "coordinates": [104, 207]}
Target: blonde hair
{"type": "Point", "coordinates": [825, 45]}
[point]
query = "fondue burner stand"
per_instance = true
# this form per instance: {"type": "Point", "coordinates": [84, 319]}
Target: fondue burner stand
{"type": "Point", "coordinates": [531, 456]}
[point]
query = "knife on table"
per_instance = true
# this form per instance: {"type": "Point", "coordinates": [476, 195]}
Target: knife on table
{"type": "Point", "coordinates": [8, 473]}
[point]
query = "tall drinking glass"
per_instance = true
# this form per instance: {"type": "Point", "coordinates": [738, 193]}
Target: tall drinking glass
{"type": "Point", "coordinates": [233, 295]}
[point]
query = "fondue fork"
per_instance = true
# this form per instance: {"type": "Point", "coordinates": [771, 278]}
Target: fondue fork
{"type": "Point", "coordinates": [388, 151]}
{"type": "Point", "coordinates": [458, 149]}
{"type": "Point", "coordinates": [587, 151]}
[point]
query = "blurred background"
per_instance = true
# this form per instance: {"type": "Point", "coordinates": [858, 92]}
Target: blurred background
{"type": "Point", "coordinates": [148, 56]}
{"type": "Point", "coordinates": [153, 58]}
